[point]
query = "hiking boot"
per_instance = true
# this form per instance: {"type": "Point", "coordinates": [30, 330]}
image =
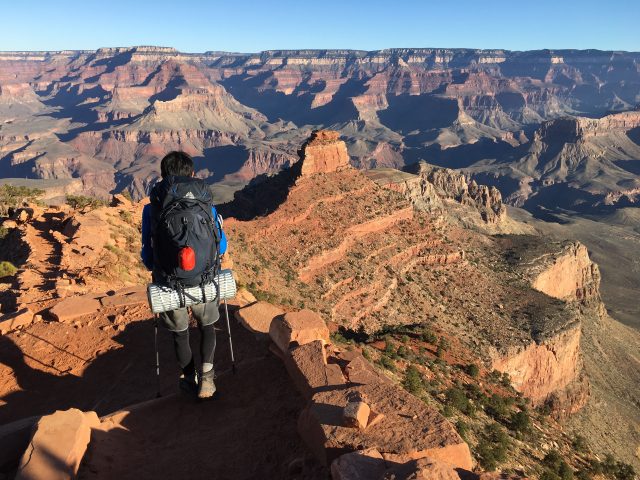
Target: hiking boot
{"type": "Point", "coordinates": [189, 383]}
{"type": "Point", "coordinates": [207, 386]}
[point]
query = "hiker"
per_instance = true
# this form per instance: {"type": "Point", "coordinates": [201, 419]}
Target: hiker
{"type": "Point", "coordinates": [181, 208]}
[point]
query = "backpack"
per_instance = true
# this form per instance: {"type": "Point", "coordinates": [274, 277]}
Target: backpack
{"type": "Point", "coordinates": [185, 235]}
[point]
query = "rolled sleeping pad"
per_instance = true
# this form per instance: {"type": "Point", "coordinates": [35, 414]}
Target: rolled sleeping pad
{"type": "Point", "coordinates": [163, 298]}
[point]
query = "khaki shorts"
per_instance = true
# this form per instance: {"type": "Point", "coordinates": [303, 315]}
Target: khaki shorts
{"type": "Point", "coordinates": [178, 320]}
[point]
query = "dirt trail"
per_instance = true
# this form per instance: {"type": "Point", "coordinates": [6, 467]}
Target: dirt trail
{"type": "Point", "coordinates": [247, 432]}
{"type": "Point", "coordinates": [37, 282]}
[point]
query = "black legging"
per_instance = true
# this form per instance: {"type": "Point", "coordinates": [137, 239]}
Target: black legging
{"type": "Point", "coordinates": [183, 347]}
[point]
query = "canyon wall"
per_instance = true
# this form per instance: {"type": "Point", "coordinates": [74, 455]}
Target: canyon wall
{"type": "Point", "coordinates": [550, 370]}
{"type": "Point", "coordinates": [116, 111]}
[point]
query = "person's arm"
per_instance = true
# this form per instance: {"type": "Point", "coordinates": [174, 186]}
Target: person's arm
{"type": "Point", "coordinates": [223, 237]}
{"type": "Point", "coordinates": [147, 252]}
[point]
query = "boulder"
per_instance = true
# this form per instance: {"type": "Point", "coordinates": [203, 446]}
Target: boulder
{"type": "Point", "coordinates": [258, 316]}
{"type": "Point", "coordinates": [298, 328]}
{"type": "Point", "coordinates": [57, 446]}
{"type": "Point", "coordinates": [15, 320]}
{"type": "Point", "coordinates": [7, 223]}
{"type": "Point", "coordinates": [409, 429]}
{"type": "Point", "coordinates": [359, 465]}
{"type": "Point", "coordinates": [374, 418]}
{"type": "Point", "coordinates": [307, 366]}
{"type": "Point", "coordinates": [77, 306]}
{"type": "Point", "coordinates": [22, 216]}
{"type": "Point", "coordinates": [356, 414]}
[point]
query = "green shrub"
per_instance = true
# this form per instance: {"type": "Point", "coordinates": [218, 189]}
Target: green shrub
{"type": "Point", "coordinates": [429, 337]}
{"type": "Point", "coordinates": [387, 363]}
{"type": "Point", "coordinates": [583, 475]}
{"type": "Point", "coordinates": [390, 350]}
{"type": "Point", "coordinates": [579, 444]}
{"type": "Point", "coordinates": [493, 446]}
{"type": "Point", "coordinates": [557, 466]}
{"type": "Point", "coordinates": [472, 370]}
{"type": "Point", "coordinates": [413, 382]}
{"type": "Point", "coordinates": [549, 475]}
{"type": "Point", "coordinates": [404, 352]}
{"type": "Point", "coordinates": [520, 422]}
{"type": "Point", "coordinates": [126, 216]}
{"type": "Point", "coordinates": [613, 469]}
{"type": "Point", "coordinates": [463, 429]}
{"type": "Point", "coordinates": [443, 346]}
{"type": "Point", "coordinates": [14, 196]}
{"type": "Point", "coordinates": [7, 269]}
{"type": "Point", "coordinates": [78, 202]}
{"type": "Point", "coordinates": [498, 406]}
{"type": "Point", "coordinates": [457, 398]}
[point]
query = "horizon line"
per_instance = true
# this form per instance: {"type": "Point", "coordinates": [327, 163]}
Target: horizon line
{"type": "Point", "coordinates": [355, 50]}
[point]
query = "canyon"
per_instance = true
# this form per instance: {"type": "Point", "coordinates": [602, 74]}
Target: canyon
{"type": "Point", "coordinates": [532, 123]}
{"type": "Point", "coordinates": [337, 244]}
{"type": "Point", "coordinates": [556, 131]}
{"type": "Point", "coordinates": [431, 229]}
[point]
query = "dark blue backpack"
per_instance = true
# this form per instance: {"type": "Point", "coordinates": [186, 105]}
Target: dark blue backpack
{"type": "Point", "coordinates": [185, 235]}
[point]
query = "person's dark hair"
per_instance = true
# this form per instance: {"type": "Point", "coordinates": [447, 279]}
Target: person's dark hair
{"type": "Point", "coordinates": [179, 164]}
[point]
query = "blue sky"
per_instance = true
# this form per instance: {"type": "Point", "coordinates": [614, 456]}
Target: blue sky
{"type": "Point", "coordinates": [249, 26]}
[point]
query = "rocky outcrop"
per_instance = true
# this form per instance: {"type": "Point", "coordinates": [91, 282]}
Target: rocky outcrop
{"type": "Point", "coordinates": [550, 371]}
{"type": "Point", "coordinates": [568, 274]}
{"type": "Point", "coordinates": [442, 190]}
{"type": "Point", "coordinates": [346, 415]}
{"type": "Point", "coordinates": [257, 316]}
{"type": "Point", "coordinates": [324, 152]}
{"type": "Point", "coordinates": [449, 184]}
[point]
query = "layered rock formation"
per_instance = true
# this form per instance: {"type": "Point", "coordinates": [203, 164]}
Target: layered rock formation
{"type": "Point", "coordinates": [365, 259]}
{"type": "Point", "coordinates": [568, 274]}
{"type": "Point", "coordinates": [324, 152]}
{"type": "Point", "coordinates": [119, 109]}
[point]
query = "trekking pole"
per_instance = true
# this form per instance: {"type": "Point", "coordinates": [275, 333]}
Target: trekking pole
{"type": "Point", "coordinates": [233, 361]}
{"type": "Point", "coordinates": [155, 322]}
